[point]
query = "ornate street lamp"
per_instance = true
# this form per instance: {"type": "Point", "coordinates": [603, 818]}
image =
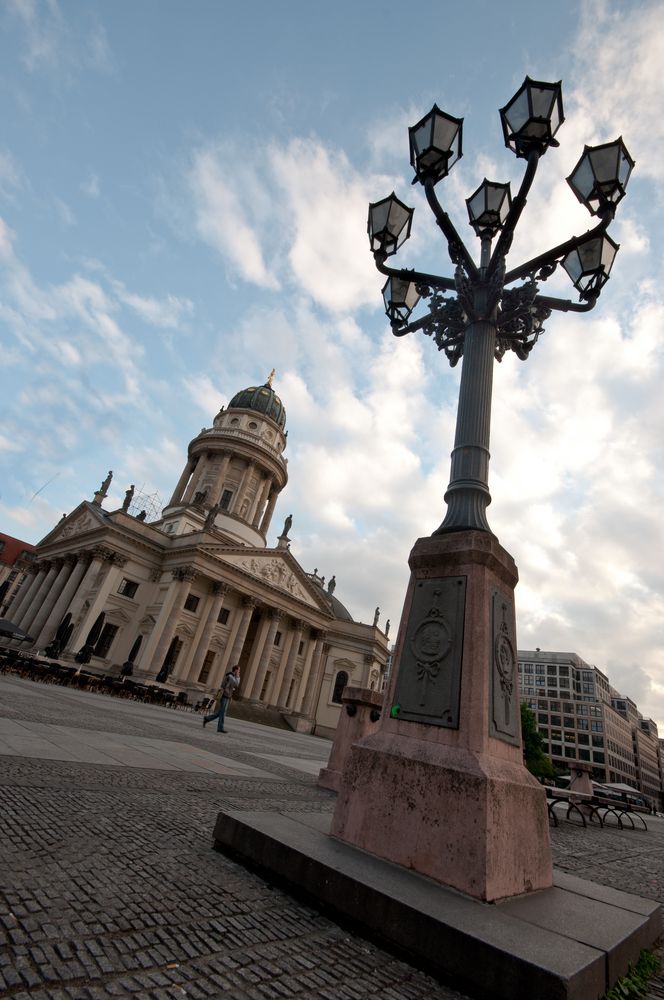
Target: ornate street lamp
{"type": "Point", "coordinates": [489, 207]}
{"type": "Point", "coordinates": [389, 225]}
{"type": "Point", "coordinates": [400, 297]}
{"type": "Point", "coordinates": [435, 145]}
{"type": "Point", "coordinates": [490, 312]}
{"type": "Point", "coordinates": [600, 177]}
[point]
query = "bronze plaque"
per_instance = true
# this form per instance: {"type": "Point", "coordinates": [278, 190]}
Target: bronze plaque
{"type": "Point", "coordinates": [504, 723]}
{"type": "Point", "coordinates": [429, 681]}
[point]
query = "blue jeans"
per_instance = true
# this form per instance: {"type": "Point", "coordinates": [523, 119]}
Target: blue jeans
{"type": "Point", "coordinates": [220, 715]}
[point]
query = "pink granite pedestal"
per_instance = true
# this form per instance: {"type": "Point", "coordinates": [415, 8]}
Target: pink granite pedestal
{"type": "Point", "coordinates": [441, 787]}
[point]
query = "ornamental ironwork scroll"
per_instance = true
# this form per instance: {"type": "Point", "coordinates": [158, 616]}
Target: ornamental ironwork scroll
{"type": "Point", "coordinates": [429, 681]}
{"type": "Point", "coordinates": [504, 724]}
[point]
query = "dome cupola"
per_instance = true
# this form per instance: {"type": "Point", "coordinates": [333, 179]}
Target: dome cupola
{"type": "Point", "coordinates": [262, 399]}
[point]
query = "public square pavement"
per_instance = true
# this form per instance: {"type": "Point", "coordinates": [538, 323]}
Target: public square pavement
{"type": "Point", "coordinates": [109, 886]}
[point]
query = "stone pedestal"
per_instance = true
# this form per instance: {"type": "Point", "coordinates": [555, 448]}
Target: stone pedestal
{"type": "Point", "coordinates": [441, 787]}
{"type": "Point", "coordinates": [359, 716]}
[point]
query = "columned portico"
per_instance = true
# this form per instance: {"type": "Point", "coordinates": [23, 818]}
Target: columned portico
{"type": "Point", "coordinates": [192, 669]}
{"type": "Point", "coordinates": [269, 511]}
{"type": "Point", "coordinates": [249, 604]}
{"type": "Point", "coordinates": [182, 482]}
{"type": "Point", "coordinates": [164, 630]}
{"type": "Point", "coordinates": [111, 579]}
{"type": "Point", "coordinates": [315, 675]}
{"type": "Point", "coordinates": [265, 656]}
{"type": "Point", "coordinates": [51, 598]}
{"type": "Point", "coordinates": [37, 604]}
{"type": "Point", "coordinates": [298, 629]}
{"type": "Point", "coordinates": [80, 564]}
{"type": "Point", "coordinates": [277, 677]}
{"type": "Point", "coordinates": [29, 590]}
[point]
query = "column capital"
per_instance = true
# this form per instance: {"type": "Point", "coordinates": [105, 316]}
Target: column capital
{"type": "Point", "coordinates": [276, 613]}
{"type": "Point", "coordinates": [298, 624]}
{"type": "Point", "coordinates": [368, 658]}
{"type": "Point", "coordinates": [102, 552]}
{"type": "Point", "coordinates": [119, 560]}
{"type": "Point", "coordinates": [220, 588]}
{"type": "Point", "coordinates": [250, 602]}
{"type": "Point", "coordinates": [188, 573]}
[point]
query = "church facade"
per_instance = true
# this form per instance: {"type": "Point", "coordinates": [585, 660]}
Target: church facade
{"type": "Point", "coordinates": [182, 599]}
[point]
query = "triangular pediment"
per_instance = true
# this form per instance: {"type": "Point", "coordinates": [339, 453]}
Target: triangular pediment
{"type": "Point", "coordinates": [275, 567]}
{"type": "Point", "coordinates": [86, 517]}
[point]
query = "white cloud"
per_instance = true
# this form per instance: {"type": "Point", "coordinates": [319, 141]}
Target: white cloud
{"type": "Point", "coordinates": [222, 222]}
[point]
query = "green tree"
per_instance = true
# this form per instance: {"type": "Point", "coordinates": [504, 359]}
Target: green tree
{"type": "Point", "coordinates": [534, 756]}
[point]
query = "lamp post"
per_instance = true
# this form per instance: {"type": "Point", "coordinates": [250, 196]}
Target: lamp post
{"type": "Point", "coordinates": [488, 313]}
{"type": "Point", "coordinates": [441, 787]}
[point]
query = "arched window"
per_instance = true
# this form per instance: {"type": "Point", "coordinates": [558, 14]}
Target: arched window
{"type": "Point", "coordinates": [339, 684]}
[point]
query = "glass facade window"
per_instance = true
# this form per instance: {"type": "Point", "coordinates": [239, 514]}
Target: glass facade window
{"type": "Point", "coordinates": [568, 722]}
{"type": "Point", "coordinates": [543, 717]}
{"type": "Point", "coordinates": [555, 706]}
{"type": "Point", "coordinates": [539, 681]}
{"type": "Point", "coordinates": [550, 669]}
{"type": "Point", "coordinates": [570, 752]}
{"type": "Point", "coordinates": [582, 724]}
{"type": "Point", "coordinates": [564, 671]}
{"type": "Point", "coordinates": [555, 720]}
{"type": "Point", "coordinates": [598, 757]}
{"type": "Point", "coordinates": [596, 726]}
{"type": "Point", "coordinates": [584, 754]}
{"type": "Point", "coordinates": [598, 741]}
{"type": "Point", "coordinates": [583, 738]}
{"type": "Point", "coordinates": [528, 668]}
{"type": "Point", "coordinates": [539, 668]}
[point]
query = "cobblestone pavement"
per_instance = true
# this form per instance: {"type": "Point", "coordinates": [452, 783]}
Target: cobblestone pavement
{"type": "Point", "coordinates": [109, 887]}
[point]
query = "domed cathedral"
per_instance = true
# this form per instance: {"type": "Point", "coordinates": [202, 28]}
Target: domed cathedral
{"type": "Point", "coordinates": [179, 600]}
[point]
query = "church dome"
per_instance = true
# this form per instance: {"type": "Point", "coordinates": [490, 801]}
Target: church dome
{"type": "Point", "coordinates": [263, 399]}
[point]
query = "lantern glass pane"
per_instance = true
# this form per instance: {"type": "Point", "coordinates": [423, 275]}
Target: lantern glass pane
{"type": "Point", "coordinates": [518, 112]}
{"type": "Point", "coordinates": [378, 214]}
{"type": "Point", "coordinates": [590, 254]}
{"type": "Point", "coordinates": [421, 136]}
{"type": "Point", "coordinates": [494, 197]}
{"type": "Point", "coordinates": [542, 101]}
{"type": "Point", "coordinates": [444, 133]}
{"type": "Point", "coordinates": [624, 168]}
{"type": "Point", "coordinates": [604, 163]}
{"type": "Point", "coordinates": [572, 265]}
{"type": "Point", "coordinates": [476, 204]}
{"type": "Point", "coordinates": [583, 178]}
{"type": "Point", "coordinates": [609, 252]}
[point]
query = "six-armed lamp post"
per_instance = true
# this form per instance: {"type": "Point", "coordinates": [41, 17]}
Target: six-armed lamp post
{"type": "Point", "coordinates": [489, 314]}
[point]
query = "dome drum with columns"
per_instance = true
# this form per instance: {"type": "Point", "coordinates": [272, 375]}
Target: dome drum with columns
{"type": "Point", "coordinates": [184, 598]}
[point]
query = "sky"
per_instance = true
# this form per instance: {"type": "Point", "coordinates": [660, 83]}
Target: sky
{"type": "Point", "coordinates": [183, 205]}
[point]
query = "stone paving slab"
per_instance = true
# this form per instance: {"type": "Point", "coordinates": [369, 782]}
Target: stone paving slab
{"type": "Point", "coordinates": [53, 742]}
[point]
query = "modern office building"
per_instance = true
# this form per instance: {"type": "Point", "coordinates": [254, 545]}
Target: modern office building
{"type": "Point", "coordinates": [186, 596]}
{"type": "Point", "coordinates": [582, 718]}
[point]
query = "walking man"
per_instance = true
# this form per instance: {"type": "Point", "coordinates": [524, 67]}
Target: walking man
{"type": "Point", "coordinates": [224, 695]}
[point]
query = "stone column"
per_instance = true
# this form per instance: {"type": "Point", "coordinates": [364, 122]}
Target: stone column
{"type": "Point", "coordinates": [38, 602]}
{"type": "Point", "coordinates": [25, 595]}
{"type": "Point", "coordinates": [219, 591]}
{"type": "Point", "coordinates": [52, 598]}
{"type": "Point", "coordinates": [115, 564]}
{"type": "Point", "coordinates": [97, 557]}
{"type": "Point", "coordinates": [62, 603]}
{"type": "Point", "coordinates": [259, 500]}
{"type": "Point", "coordinates": [196, 472]}
{"type": "Point", "coordinates": [266, 655]}
{"type": "Point", "coordinates": [275, 682]}
{"type": "Point", "coordinates": [249, 604]}
{"type": "Point", "coordinates": [315, 676]}
{"type": "Point", "coordinates": [182, 482]}
{"type": "Point", "coordinates": [255, 654]}
{"type": "Point", "coordinates": [282, 697]}
{"type": "Point", "coordinates": [183, 578]}
{"type": "Point", "coordinates": [239, 496]}
{"type": "Point", "coordinates": [269, 511]}
{"type": "Point", "coordinates": [221, 479]}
